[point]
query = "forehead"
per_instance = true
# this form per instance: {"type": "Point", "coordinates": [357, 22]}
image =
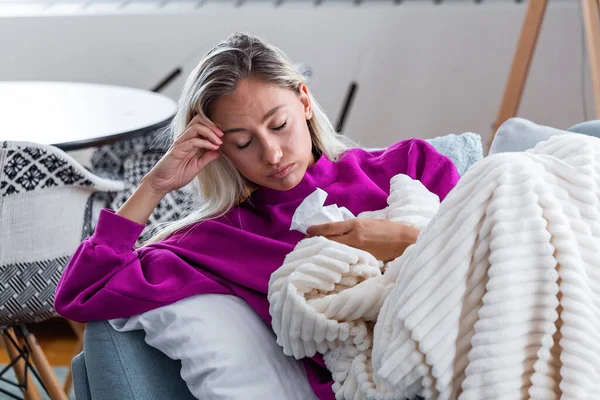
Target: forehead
{"type": "Point", "coordinates": [251, 99]}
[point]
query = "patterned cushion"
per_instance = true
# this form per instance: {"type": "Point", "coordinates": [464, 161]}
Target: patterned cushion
{"type": "Point", "coordinates": [172, 207]}
{"type": "Point", "coordinates": [34, 168]}
{"type": "Point", "coordinates": [45, 211]}
{"type": "Point", "coordinates": [111, 158]}
{"type": "Point", "coordinates": [130, 161]}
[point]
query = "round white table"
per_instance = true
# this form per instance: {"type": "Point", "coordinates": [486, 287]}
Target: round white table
{"type": "Point", "coordinates": [74, 116]}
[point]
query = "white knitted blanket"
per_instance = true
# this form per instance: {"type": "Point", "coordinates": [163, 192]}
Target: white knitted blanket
{"type": "Point", "coordinates": [498, 299]}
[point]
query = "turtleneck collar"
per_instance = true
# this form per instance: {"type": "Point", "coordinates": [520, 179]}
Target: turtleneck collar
{"type": "Point", "coordinates": [320, 175]}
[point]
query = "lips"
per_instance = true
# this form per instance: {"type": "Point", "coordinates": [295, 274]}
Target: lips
{"type": "Point", "coordinates": [281, 173]}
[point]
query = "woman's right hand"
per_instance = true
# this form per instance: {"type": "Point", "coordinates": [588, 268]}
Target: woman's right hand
{"type": "Point", "coordinates": [187, 156]}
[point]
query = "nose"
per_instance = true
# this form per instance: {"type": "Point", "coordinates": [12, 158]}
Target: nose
{"type": "Point", "coordinates": [272, 152]}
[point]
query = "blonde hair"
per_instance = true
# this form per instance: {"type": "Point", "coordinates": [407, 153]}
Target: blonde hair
{"type": "Point", "coordinates": [219, 185]}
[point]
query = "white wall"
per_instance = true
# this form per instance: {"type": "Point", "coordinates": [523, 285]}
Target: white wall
{"type": "Point", "coordinates": [422, 70]}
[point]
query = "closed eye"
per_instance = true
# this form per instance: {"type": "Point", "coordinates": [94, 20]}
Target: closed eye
{"type": "Point", "coordinates": [244, 145]}
{"type": "Point", "coordinates": [277, 128]}
{"type": "Point", "coordinates": [280, 127]}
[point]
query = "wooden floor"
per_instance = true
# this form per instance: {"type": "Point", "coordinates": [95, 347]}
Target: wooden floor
{"type": "Point", "coordinates": [56, 339]}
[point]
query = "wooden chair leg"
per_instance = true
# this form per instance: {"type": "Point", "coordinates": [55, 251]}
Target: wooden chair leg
{"type": "Point", "coordinates": [78, 328]}
{"type": "Point", "coordinates": [591, 20]}
{"type": "Point", "coordinates": [31, 392]}
{"type": "Point", "coordinates": [44, 369]}
{"type": "Point", "coordinates": [513, 90]}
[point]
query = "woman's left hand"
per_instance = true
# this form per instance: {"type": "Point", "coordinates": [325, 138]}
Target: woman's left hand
{"type": "Point", "coordinates": [386, 240]}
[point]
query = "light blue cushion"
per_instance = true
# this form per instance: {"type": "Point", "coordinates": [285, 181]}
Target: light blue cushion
{"type": "Point", "coordinates": [590, 128]}
{"type": "Point", "coordinates": [464, 150]}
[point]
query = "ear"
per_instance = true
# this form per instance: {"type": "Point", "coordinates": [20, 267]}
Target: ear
{"type": "Point", "coordinates": [305, 99]}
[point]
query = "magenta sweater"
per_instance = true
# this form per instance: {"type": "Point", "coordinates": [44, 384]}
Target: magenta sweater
{"type": "Point", "coordinates": [234, 254]}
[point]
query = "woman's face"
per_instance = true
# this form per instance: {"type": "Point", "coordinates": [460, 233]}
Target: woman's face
{"type": "Point", "coordinates": [266, 133]}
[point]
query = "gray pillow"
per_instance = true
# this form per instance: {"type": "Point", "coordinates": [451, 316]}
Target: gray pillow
{"type": "Point", "coordinates": [590, 128]}
{"type": "Point", "coordinates": [519, 134]}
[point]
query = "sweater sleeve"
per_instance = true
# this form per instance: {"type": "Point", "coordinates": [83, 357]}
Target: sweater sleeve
{"type": "Point", "coordinates": [420, 160]}
{"type": "Point", "coordinates": [106, 278]}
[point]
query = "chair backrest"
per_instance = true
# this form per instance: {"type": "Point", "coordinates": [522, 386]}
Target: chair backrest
{"type": "Point", "coordinates": [45, 212]}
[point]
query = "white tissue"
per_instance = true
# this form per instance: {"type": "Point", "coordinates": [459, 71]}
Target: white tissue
{"type": "Point", "coordinates": [311, 212]}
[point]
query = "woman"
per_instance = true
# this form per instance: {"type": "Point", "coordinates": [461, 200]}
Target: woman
{"type": "Point", "coordinates": [254, 143]}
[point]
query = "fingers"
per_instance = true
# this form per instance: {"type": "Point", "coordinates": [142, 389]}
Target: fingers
{"type": "Point", "coordinates": [200, 120]}
{"type": "Point", "coordinates": [331, 229]}
{"type": "Point", "coordinates": [199, 131]}
{"type": "Point", "coordinates": [198, 144]}
{"type": "Point", "coordinates": [201, 127]}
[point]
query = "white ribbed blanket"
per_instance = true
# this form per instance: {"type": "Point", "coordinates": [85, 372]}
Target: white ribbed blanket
{"type": "Point", "coordinates": [498, 299]}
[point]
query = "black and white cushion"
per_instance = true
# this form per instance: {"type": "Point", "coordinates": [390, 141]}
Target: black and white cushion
{"type": "Point", "coordinates": [110, 158]}
{"type": "Point", "coordinates": [130, 161]}
{"type": "Point", "coordinates": [172, 207]}
{"type": "Point", "coordinates": [45, 212]}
